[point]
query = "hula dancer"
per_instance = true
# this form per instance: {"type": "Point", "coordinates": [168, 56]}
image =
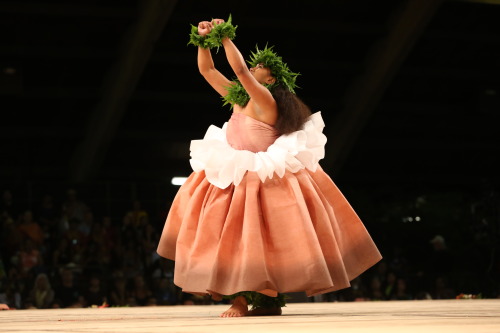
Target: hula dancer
{"type": "Point", "coordinates": [258, 217]}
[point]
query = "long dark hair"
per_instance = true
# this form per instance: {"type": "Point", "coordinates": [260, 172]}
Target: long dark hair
{"type": "Point", "coordinates": [292, 112]}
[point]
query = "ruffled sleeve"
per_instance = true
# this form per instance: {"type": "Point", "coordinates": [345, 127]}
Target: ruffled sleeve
{"type": "Point", "coordinates": [224, 165]}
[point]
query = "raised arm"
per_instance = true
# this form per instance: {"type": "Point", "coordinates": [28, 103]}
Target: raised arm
{"type": "Point", "coordinates": [206, 64]}
{"type": "Point", "coordinates": [260, 95]}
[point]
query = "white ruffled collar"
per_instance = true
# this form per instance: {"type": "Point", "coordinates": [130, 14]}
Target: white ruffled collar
{"type": "Point", "coordinates": [224, 165]}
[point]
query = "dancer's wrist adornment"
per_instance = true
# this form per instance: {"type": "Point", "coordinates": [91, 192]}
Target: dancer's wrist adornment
{"type": "Point", "coordinates": [214, 38]}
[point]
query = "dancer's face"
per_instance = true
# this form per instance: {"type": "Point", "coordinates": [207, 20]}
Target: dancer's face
{"type": "Point", "coordinates": [262, 74]}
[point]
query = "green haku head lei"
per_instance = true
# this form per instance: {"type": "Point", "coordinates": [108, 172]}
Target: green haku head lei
{"type": "Point", "coordinates": [279, 70]}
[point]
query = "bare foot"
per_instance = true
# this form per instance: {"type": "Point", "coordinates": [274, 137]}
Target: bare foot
{"type": "Point", "coordinates": [4, 307]}
{"type": "Point", "coordinates": [239, 308]}
{"type": "Point", "coordinates": [265, 312]}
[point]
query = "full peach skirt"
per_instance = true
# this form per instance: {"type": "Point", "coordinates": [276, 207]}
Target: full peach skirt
{"type": "Point", "coordinates": [290, 234]}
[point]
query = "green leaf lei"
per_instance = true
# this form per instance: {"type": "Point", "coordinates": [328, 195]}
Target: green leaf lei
{"type": "Point", "coordinates": [279, 70]}
{"type": "Point", "coordinates": [215, 36]}
{"type": "Point", "coordinates": [258, 300]}
{"type": "Point", "coordinates": [236, 94]}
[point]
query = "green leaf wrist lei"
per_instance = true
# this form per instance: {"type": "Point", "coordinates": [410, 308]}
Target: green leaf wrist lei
{"type": "Point", "coordinates": [215, 37]}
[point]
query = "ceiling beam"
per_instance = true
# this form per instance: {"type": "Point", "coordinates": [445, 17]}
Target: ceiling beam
{"type": "Point", "coordinates": [117, 88]}
{"type": "Point", "coordinates": [363, 95]}
{"type": "Point", "coordinates": [486, 2]}
{"type": "Point", "coordinates": [89, 93]}
{"type": "Point", "coordinates": [69, 9]}
{"type": "Point", "coordinates": [56, 52]}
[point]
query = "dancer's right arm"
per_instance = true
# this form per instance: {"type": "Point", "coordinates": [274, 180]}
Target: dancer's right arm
{"type": "Point", "coordinates": [206, 63]}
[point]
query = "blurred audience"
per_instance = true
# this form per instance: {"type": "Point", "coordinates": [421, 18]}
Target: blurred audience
{"type": "Point", "coordinates": [31, 229]}
{"type": "Point", "coordinates": [68, 293]}
{"type": "Point", "coordinates": [42, 294]}
{"type": "Point", "coordinates": [95, 294]}
{"type": "Point", "coordinates": [119, 295]}
{"type": "Point", "coordinates": [64, 255]}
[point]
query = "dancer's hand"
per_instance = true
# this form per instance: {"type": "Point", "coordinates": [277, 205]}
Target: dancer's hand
{"type": "Point", "coordinates": [217, 21]}
{"type": "Point", "coordinates": [204, 28]}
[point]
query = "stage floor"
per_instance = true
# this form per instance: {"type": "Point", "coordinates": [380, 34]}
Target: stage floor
{"type": "Point", "coordinates": [471, 316]}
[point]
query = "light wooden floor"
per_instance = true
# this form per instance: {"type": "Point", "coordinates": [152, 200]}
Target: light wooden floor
{"type": "Point", "coordinates": [471, 316]}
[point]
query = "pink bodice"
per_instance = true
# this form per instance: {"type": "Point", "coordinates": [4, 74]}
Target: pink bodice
{"type": "Point", "coordinates": [247, 133]}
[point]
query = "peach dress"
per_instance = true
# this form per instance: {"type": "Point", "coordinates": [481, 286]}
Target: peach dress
{"type": "Point", "coordinates": [259, 214]}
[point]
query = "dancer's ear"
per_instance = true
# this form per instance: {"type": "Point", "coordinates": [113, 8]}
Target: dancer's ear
{"type": "Point", "coordinates": [270, 80]}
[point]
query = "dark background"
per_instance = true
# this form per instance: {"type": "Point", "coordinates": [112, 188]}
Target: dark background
{"type": "Point", "coordinates": [104, 97]}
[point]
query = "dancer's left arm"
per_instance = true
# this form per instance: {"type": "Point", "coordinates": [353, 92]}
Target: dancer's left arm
{"type": "Point", "coordinates": [257, 92]}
